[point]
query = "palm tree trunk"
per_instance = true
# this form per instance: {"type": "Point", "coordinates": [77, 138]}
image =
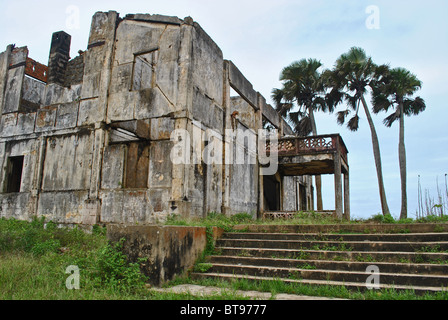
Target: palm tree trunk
{"type": "Point", "coordinates": [402, 160]}
{"type": "Point", "coordinates": [377, 157]}
{"type": "Point", "coordinates": [318, 179]}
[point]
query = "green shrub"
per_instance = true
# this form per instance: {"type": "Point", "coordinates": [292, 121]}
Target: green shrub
{"type": "Point", "coordinates": [380, 218]}
{"type": "Point", "coordinates": [112, 268]}
{"type": "Point", "coordinates": [50, 245]}
{"type": "Point", "coordinates": [241, 218]}
{"type": "Point", "coordinates": [202, 267]}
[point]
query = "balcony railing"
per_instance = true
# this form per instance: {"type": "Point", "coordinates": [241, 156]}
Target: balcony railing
{"type": "Point", "coordinates": [294, 146]}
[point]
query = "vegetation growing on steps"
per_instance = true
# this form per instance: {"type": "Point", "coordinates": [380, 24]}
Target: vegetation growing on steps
{"type": "Point", "coordinates": [227, 223]}
{"type": "Point", "coordinates": [337, 244]}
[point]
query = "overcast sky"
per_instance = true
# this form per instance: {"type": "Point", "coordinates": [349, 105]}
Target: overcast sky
{"type": "Point", "coordinates": [261, 37]}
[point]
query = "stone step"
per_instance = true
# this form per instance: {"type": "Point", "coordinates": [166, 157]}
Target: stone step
{"type": "Point", "coordinates": [374, 256]}
{"type": "Point", "coordinates": [361, 228]}
{"type": "Point", "coordinates": [439, 246]}
{"type": "Point", "coordinates": [356, 286]}
{"type": "Point", "coordinates": [400, 237]}
{"type": "Point", "coordinates": [386, 267]}
{"type": "Point", "coordinates": [331, 275]}
{"type": "Point", "coordinates": [336, 255]}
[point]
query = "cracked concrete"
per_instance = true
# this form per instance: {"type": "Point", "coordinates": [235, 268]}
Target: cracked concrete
{"type": "Point", "coordinates": [204, 291]}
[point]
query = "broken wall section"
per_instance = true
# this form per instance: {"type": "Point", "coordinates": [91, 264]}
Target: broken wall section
{"type": "Point", "coordinates": [205, 107]}
{"type": "Point", "coordinates": [243, 120]}
{"type": "Point", "coordinates": [31, 111]}
{"type": "Point", "coordinates": [143, 100]}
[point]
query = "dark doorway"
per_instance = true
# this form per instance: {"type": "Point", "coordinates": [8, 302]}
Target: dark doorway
{"type": "Point", "coordinates": [14, 174]}
{"type": "Point", "coordinates": [302, 198]}
{"type": "Point", "coordinates": [271, 193]}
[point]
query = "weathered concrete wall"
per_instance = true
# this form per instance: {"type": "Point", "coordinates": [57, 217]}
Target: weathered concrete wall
{"type": "Point", "coordinates": [19, 205]}
{"type": "Point", "coordinates": [96, 138]}
{"type": "Point", "coordinates": [168, 250]}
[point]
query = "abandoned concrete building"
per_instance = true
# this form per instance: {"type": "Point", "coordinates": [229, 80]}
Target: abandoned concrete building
{"type": "Point", "coordinates": [88, 140]}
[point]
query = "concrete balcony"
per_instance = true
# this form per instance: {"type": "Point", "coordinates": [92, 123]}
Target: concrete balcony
{"type": "Point", "coordinates": [312, 156]}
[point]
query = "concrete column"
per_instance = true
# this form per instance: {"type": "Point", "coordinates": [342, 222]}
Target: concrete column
{"type": "Point", "coordinates": [2, 165]}
{"type": "Point", "coordinates": [346, 196]}
{"type": "Point", "coordinates": [91, 213]}
{"type": "Point", "coordinates": [38, 172]}
{"type": "Point", "coordinates": [95, 178]}
{"type": "Point", "coordinates": [228, 141]}
{"type": "Point", "coordinates": [180, 174]}
{"type": "Point", "coordinates": [338, 184]}
{"type": "Point", "coordinates": [261, 105]}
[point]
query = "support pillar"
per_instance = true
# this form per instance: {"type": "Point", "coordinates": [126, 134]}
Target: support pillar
{"type": "Point", "coordinates": [228, 141]}
{"type": "Point", "coordinates": [261, 105]}
{"type": "Point", "coordinates": [347, 196]}
{"type": "Point", "coordinates": [338, 185]}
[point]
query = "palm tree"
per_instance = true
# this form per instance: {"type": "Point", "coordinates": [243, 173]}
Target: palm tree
{"type": "Point", "coordinates": [396, 91]}
{"type": "Point", "coordinates": [350, 79]}
{"type": "Point", "coordinates": [303, 88]}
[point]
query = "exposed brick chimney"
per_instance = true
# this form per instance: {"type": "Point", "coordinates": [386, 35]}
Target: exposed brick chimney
{"type": "Point", "coordinates": [59, 57]}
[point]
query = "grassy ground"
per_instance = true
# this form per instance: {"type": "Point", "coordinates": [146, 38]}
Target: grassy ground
{"type": "Point", "coordinates": [35, 260]}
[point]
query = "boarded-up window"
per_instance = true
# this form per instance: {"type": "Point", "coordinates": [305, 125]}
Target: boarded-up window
{"type": "Point", "coordinates": [143, 70]}
{"type": "Point", "coordinates": [137, 165]}
{"type": "Point", "coordinates": [14, 174]}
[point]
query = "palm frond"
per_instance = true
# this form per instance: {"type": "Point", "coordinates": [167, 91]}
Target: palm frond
{"type": "Point", "coordinates": [352, 101]}
{"type": "Point", "coordinates": [414, 106]}
{"type": "Point", "coordinates": [333, 98]}
{"type": "Point", "coordinates": [380, 102]}
{"type": "Point", "coordinates": [319, 103]}
{"type": "Point", "coordinates": [303, 127]}
{"type": "Point", "coordinates": [353, 123]}
{"type": "Point", "coordinates": [277, 96]}
{"type": "Point", "coordinates": [403, 82]}
{"type": "Point", "coordinates": [389, 121]}
{"type": "Point", "coordinates": [295, 117]}
{"type": "Point", "coordinates": [341, 115]}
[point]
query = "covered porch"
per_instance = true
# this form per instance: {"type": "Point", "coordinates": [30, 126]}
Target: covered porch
{"type": "Point", "coordinates": [311, 156]}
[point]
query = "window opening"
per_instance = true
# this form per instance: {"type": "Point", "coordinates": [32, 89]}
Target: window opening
{"type": "Point", "coordinates": [14, 174]}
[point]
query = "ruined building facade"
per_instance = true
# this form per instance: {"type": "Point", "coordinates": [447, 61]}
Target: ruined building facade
{"type": "Point", "coordinates": [88, 140]}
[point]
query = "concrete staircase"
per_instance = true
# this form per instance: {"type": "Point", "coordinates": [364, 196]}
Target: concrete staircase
{"type": "Point", "coordinates": [390, 256]}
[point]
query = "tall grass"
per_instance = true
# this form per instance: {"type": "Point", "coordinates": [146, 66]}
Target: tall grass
{"type": "Point", "coordinates": [34, 257]}
{"type": "Point", "coordinates": [227, 222]}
